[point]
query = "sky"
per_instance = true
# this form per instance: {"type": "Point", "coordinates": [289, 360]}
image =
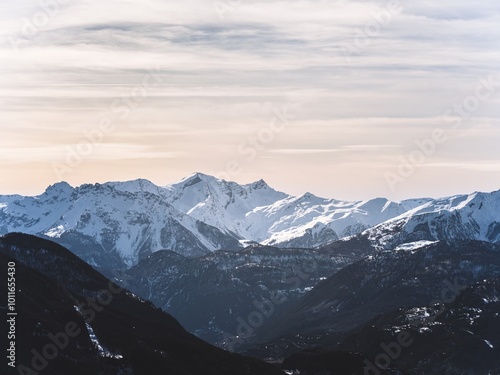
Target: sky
{"type": "Point", "coordinates": [344, 99]}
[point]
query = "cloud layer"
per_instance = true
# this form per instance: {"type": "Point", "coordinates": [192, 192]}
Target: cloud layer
{"type": "Point", "coordinates": [325, 96]}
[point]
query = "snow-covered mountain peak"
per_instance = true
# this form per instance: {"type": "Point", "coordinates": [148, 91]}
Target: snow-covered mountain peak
{"type": "Point", "coordinates": [473, 216]}
{"type": "Point", "coordinates": [58, 192]}
{"type": "Point", "coordinates": [308, 200]}
{"type": "Point", "coordinates": [135, 186]}
{"type": "Point", "coordinates": [94, 187]}
{"type": "Point", "coordinates": [379, 204]}
{"type": "Point", "coordinates": [217, 186]}
{"type": "Point", "coordinates": [258, 185]}
{"type": "Point", "coordinates": [59, 188]}
{"type": "Point", "coordinates": [307, 196]}
{"type": "Point", "coordinates": [112, 222]}
{"type": "Point", "coordinates": [222, 204]}
{"type": "Point", "coordinates": [197, 178]}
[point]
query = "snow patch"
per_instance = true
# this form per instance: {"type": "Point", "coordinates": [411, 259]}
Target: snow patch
{"type": "Point", "coordinates": [104, 353]}
{"type": "Point", "coordinates": [489, 344]}
{"type": "Point", "coordinates": [56, 232]}
{"type": "Point", "coordinates": [101, 350]}
{"type": "Point", "coordinates": [414, 245]}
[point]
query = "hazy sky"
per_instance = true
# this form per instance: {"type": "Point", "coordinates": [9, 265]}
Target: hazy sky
{"type": "Point", "coordinates": [323, 96]}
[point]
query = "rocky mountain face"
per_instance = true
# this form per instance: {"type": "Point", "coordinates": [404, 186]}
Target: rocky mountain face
{"type": "Point", "coordinates": [426, 286]}
{"type": "Point", "coordinates": [215, 295]}
{"type": "Point", "coordinates": [72, 320]}
{"type": "Point", "coordinates": [460, 337]}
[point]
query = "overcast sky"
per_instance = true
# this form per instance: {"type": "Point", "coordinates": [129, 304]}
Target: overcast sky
{"type": "Point", "coordinates": [323, 96]}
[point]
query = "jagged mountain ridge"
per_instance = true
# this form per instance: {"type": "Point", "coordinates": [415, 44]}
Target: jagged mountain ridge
{"type": "Point", "coordinates": [106, 226]}
{"type": "Point", "coordinates": [463, 217]}
{"type": "Point", "coordinates": [115, 224]}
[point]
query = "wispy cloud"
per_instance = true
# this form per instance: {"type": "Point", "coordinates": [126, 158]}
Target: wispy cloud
{"type": "Point", "coordinates": [102, 152]}
{"type": "Point", "coordinates": [479, 165]}
{"type": "Point", "coordinates": [370, 148]}
{"type": "Point", "coordinates": [345, 149]}
{"type": "Point", "coordinates": [299, 151]}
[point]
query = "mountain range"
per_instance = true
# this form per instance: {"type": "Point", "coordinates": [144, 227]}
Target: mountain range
{"type": "Point", "coordinates": [114, 225]}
